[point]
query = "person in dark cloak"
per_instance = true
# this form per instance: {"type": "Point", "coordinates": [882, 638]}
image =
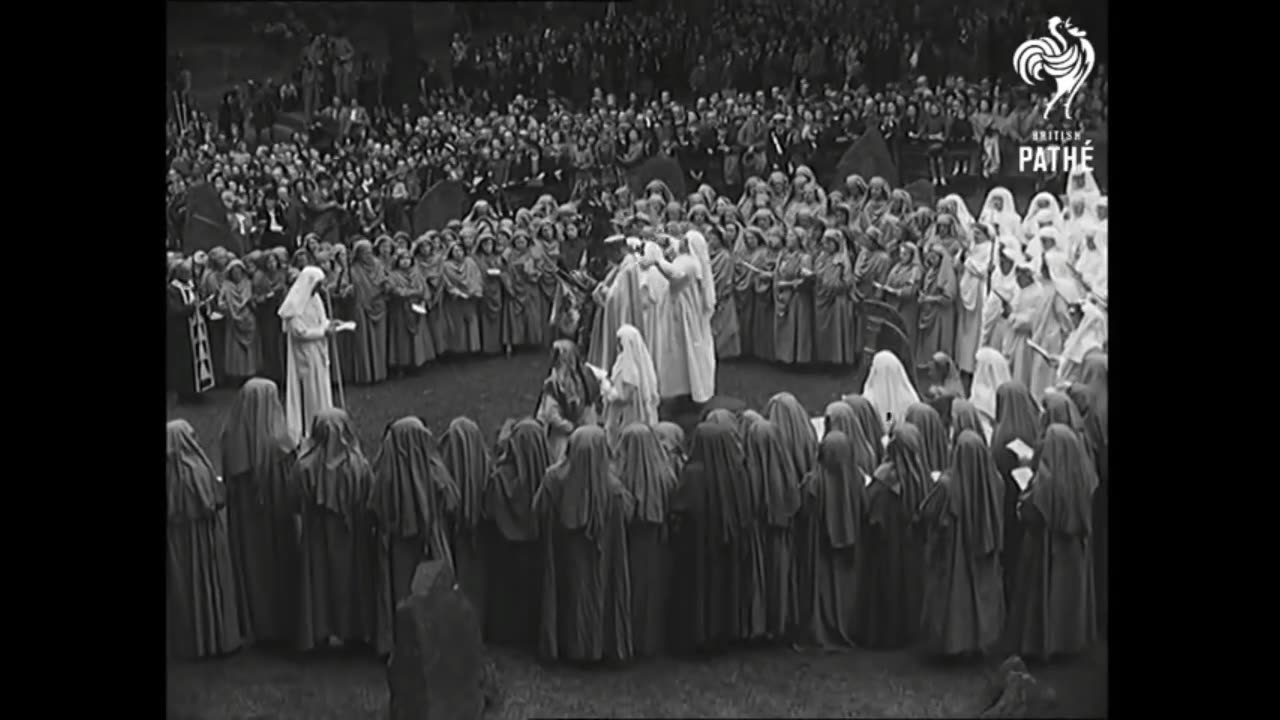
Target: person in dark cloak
{"type": "Point", "coordinates": [512, 549]}
{"type": "Point", "coordinates": [412, 498]}
{"type": "Point", "coordinates": [890, 581]}
{"type": "Point", "coordinates": [715, 538]}
{"type": "Point", "coordinates": [773, 474]}
{"type": "Point", "coordinates": [647, 472]}
{"type": "Point", "coordinates": [468, 461]}
{"type": "Point", "coordinates": [1017, 418]}
{"type": "Point", "coordinates": [964, 607]}
{"type": "Point", "coordinates": [336, 590]}
{"type": "Point", "coordinates": [834, 502]}
{"type": "Point", "coordinates": [1085, 399]}
{"type": "Point", "coordinates": [257, 456]}
{"type": "Point", "coordinates": [1053, 613]}
{"type": "Point", "coordinates": [937, 445]}
{"type": "Point", "coordinates": [586, 579]}
{"type": "Point", "coordinates": [202, 619]}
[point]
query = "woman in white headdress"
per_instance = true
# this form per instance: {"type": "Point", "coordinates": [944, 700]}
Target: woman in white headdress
{"type": "Point", "coordinates": [955, 205]}
{"type": "Point", "coordinates": [889, 388]}
{"type": "Point", "coordinates": [1051, 322]}
{"type": "Point", "coordinates": [632, 393]}
{"type": "Point", "coordinates": [687, 357]}
{"type": "Point", "coordinates": [1091, 261]}
{"type": "Point", "coordinates": [1081, 184]}
{"type": "Point", "coordinates": [1101, 213]}
{"type": "Point", "coordinates": [1090, 334]}
{"type": "Point", "coordinates": [1002, 293]}
{"type": "Point", "coordinates": [972, 295]}
{"type": "Point", "coordinates": [1042, 203]}
{"type": "Point", "coordinates": [307, 329]}
{"type": "Point", "coordinates": [998, 211]}
{"type": "Point", "coordinates": [991, 372]}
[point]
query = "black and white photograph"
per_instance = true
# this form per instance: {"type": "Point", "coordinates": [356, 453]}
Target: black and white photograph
{"type": "Point", "coordinates": [649, 359]}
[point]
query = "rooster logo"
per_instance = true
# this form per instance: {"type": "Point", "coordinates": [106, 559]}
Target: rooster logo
{"type": "Point", "coordinates": [1067, 58]}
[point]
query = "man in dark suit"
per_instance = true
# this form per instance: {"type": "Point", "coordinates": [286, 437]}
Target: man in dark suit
{"type": "Point", "coordinates": [276, 229]}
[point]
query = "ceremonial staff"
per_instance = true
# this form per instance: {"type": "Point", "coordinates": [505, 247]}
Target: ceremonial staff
{"type": "Point", "coordinates": [333, 349]}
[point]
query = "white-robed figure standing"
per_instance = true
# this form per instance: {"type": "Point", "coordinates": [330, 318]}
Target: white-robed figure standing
{"type": "Point", "coordinates": [686, 356]}
{"type": "Point", "coordinates": [632, 392]}
{"type": "Point", "coordinates": [307, 329]}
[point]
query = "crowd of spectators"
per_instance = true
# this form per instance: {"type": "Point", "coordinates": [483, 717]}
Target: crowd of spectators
{"type": "Point", "coordinates": [729, 90]}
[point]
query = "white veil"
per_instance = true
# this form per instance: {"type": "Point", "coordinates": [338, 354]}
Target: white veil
{"type": "Point", "coordinates": [634, 366]}
{"type": "Point", "coordinates": [990, 372]}
{"type": "Point", "coordinates": [888, 387]}
{"type": "Point", "coordinates": [698, 249]}
{"type": "Point", "coordinates": [301, 293]}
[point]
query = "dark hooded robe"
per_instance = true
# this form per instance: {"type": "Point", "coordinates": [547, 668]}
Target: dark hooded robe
{"type": "Point", "coordinates": [1085, 399]}
{"type": "Point", "coordinates": [201, 613]}
{"type": "Point", "coordinates": [891, 547]}
{"type": "Point", "coordinates": [869, 421]}
{"type": "Point", "coordinates": [332, 480]}
{"type": "Point", "coordinates": [933, 433]}
{"type": "Point", "coordinates": [412, 497]}
{"type": "Point", "coordinates": [467, 459]}
{"type": "Point", "coordinates": [834, 499]}
{"type": "Point", "coordinates": [719, 564]}
{"type": "Point", "coordinates": [512, 550]}
{"type": "Point", "coordinates": [1017, 418]}
{"type": "Point", "coordinates": [257, 457]}
{"type": "Point", "coordinates": [586, 579]}
{"type": "Point", "coordinates": [772, 471]}
{"type": "Point", "coordinates": [646, 471]}
{"type": "Point", "coordinates": [369, 312]}
{"type": "Point", "coordinates": [1053, 611]}
{"type": "Point", "coordinates": [964, 608]}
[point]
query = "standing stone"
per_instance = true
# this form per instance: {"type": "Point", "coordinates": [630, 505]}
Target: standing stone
{"type": "Point", "coordinates": [436, 669]}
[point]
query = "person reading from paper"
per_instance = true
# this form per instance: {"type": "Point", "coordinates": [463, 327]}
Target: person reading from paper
{"type": "Point", "coordinates": [570, 397]}
{"type": "Point", "coordinates": [307, 329]}
{"type": "Point", "coordinates": [686, 359]}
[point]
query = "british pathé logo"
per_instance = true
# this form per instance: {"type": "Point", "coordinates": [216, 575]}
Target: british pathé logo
{"type": "Point", "coordinates": [1066, 57]}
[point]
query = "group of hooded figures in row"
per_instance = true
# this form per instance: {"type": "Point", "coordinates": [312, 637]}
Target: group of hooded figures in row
{"type": "Point", "coordinates": [886, 524]}
{"type": "Point", "coordinates": [790, 264]}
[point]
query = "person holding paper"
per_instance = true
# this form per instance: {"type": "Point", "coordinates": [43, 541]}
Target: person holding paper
{"type": "Point", "coordinates": [724, 323]}
{"type": "Point", "coordinates": [202, 617]}
{"type": "Point", "coordinates": [1052, 322]}
{"type": "Point", "coordinates": [937, 323]}
{"type": "Point", "coordinates": [833, 305]}
{"type": "Point", "coordinates": [902, 285]}
{"type": "Point", "coordinates": [1017, 426]}
{"type": "Point", "coordinates": [793, 303]}
{"type": "Point", "coordinates": [570, 397]}
{"type": "Point", "coordinates": [409, 341]}
{"type": "Point", "coordinates": [1002, 293]}
{"type": "Point", "coordinates": [686, 358]}
{"type": "Point", "coordinates": [307, 389]}
{"type": "Point", "coordinates": [369, 311]}
{"type": "Point", "coordinates": [632, 396]}
{"type": "Point", "coordinates": [1054, 607]}
{"type": "Point", "coordinates": [963, 602]}
{"type": "Point", "coordinates": [463, 287]}
{"type": "Point", "coordinates": [971, 297]}
{"type": "Point", "coordinates": [891, 555]}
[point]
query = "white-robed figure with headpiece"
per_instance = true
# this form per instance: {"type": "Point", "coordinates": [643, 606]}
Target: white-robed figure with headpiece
{"type": "Point", "coordinates": [955, 205]}
{"type": "Point", "coordinates": [686, 359]}
{"type": "Point", "coordinates": [1101, 215]}
{"type": "Point", "coordinates": [1044, 207]}
{"type": "Point", "coordinates": [1089, 335]}
{"type": "Point", "coordinates": [998, 212]}
{"type": "Point", "coordinates": [307, 329]}
{"type": "Point", "coordinates": [1082, 185]}
{"type": "Point", "coordinates": [889, 388]}
{"type": "Point", "coordinates": [1002, 292]}
{"type": "Point", "coordinates": [632, 393]}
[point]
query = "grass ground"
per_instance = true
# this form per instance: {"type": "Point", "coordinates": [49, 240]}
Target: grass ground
{"type": "Point", "coordinates": [257, 685]}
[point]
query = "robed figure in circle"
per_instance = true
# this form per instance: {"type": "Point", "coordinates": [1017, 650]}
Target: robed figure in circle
{"type": "Point", "coordinates": [307, 329]}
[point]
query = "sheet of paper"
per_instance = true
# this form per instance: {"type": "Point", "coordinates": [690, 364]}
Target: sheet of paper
{"type": "Point", "coordinates": [935, 475]}
{"type": "Point", "coordinates": [345, 326]}
{"type": "Point", "coordinates": [215, 315]}
{"type": "Point", "coordinates": [1021, 449]}
{"type": "Point", "coordinates": [598, 372]}
{"type": "Point", "coordinates": [493, 271]}
{"type": "Point", "coordinates": [884, 441]}
{"type": "Point", "coordinates": [1022, 476]}
{"type": "Point", "coordinates": [819, 426]}
{"type": "Point", "coordinates": [866, 479]}
{"type": "Point", "coordinates": [420, 309]}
